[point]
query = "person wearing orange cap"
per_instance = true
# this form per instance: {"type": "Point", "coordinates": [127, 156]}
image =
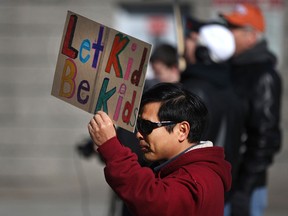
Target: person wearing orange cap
{"type": "Point", "coordinates": [247, 24]}
{"type": "Point", "coordinates": [259, 85]}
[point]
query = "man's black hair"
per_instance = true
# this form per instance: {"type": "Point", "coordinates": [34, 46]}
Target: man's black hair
{"type": "Point", "coordinates": [178, 104]}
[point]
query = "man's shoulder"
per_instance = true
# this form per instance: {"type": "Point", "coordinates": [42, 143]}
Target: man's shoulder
{"type": "Point", "coordinates": [150, 83]}
{"type": "Point", "coordinates": [256, 70]}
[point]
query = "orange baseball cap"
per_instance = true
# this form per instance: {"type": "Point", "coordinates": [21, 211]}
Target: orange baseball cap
{"type": "Point", "coordinates": [246, 15]}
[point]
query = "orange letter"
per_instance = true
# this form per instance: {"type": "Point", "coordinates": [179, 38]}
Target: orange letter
{"type": "Point", "coordinates": [118, 46]}
{"type": "Point", "coordinates": [67, 88]}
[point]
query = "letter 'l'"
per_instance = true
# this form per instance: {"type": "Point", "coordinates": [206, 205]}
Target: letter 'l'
{"type": "Point", "coordinates": [67, 48]}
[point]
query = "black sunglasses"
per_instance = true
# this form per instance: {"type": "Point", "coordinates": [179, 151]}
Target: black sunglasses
{"type": "Point", "coordinates": [146, 127]}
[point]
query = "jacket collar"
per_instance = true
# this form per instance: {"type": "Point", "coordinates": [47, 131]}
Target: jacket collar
{"type": "Point", "coordinates": [201, 144]}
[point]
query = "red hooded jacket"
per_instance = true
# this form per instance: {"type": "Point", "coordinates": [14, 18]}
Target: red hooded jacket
{"type": "Point", "coordinates": [192, 184]}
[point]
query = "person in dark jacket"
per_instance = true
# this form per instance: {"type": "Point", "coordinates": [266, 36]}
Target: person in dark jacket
{"type": "Point", "coordinates": [258, 83]}
{"type": "Point", "coordinates": [207, 51]}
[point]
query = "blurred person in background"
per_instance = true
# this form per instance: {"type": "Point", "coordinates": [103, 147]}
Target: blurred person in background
{"type": "Point", "coordinates": [258, 84]}
{"type": "Point", "coordinates": [208, 49]}
{"type": "Point", "coordinates": [164, 63]}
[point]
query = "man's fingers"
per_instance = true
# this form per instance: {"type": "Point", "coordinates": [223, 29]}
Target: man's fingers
{"type": "Point", "coordinates": [92, 123]}
{"type": "Point", "coordinates": [102, 118]}
{"type": "Point", "coordinates": [105, 117]}
{"type": "Point", "coordinates": [90, 128]}
{"type": "Point", "coordinates": [101, 128]}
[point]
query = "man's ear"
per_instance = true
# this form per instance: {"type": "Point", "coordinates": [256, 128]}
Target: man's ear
{"type": "Point", "coordinates": [184, 128]}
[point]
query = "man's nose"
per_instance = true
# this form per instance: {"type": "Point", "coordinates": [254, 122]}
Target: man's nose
{"type": "Point", "coordinates": [139, 136]}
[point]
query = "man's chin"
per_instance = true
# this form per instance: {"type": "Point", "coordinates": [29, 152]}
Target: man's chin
{"type": "Point", "coordinates": [148, 157]}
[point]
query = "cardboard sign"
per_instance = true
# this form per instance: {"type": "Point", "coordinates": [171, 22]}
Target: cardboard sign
{"type": "Point", "coordinates": [99, 68]}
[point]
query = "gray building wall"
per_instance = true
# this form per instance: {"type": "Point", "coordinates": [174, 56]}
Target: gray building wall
{"type": "Point", "coordinates": [40, 171]}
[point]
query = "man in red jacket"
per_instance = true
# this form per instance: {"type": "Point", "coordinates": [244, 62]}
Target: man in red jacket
{"type": "Point", "coordinates": [192, 175]}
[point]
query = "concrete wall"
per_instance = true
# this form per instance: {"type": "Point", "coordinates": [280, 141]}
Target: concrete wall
{"type": "Point", "coordinates": [40, 171]}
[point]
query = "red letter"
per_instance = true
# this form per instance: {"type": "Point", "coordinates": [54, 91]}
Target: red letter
{"type": "Point", "coordinates": [127, 111]}
{"type": "Point", "coordinates": [67, 48]}
{"type": "Point", "coordinates": [136, 75]}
